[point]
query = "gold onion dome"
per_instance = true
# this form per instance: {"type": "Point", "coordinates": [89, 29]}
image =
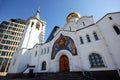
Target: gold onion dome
{"type": "Point", "coordinates": [73, 15]}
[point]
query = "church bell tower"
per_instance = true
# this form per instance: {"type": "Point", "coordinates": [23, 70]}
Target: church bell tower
{"type": "Point", "coordinates": [34, 32]}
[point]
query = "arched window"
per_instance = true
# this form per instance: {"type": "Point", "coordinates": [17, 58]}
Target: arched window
{"type": "Point", "coordinates": [81, 40]}
{"type": "Point", "coordinates": [42, 51]}
{"type": "Point", "coordinates": [83, 24]}
{"type": "Point", "coordinates": [70, 28]}
{"type": "Point", "coordinates": [47, 49]}
{"type": "Point", "coordinates": [36, 53]}
{"type": "Point", "coordinates": [43, 65]}
{"type": "Point", "coordinates": [95, 36]}
{"type": "Point", "coordinates": [88, 38]}
{"type": "Point", "coordinates": [32, 24]}
{"type": "Point", "coordinates": [117, 30]}
{"type": "Point", "coordinates": [96, 60]}
{"type": "Point", "coordinates": [37, 25]}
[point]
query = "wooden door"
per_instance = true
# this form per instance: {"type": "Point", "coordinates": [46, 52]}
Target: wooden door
{"type": "Point", "coordinates": [64, 64]}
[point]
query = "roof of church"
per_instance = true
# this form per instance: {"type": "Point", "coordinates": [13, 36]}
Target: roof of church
{"type": "Point", "coordinates": [106, 15]}
{"type": "Point", "coordinates": [71, 15]}
{"type": "Point", "coordinates": [37, 15]}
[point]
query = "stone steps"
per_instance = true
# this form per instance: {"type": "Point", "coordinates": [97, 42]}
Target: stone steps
{"type": "Point", "coordinates": [52, 76]}
{"type": "Point", "coordinates": [87, 75]}
{"type": "Point", "coordinates": [61, 76]}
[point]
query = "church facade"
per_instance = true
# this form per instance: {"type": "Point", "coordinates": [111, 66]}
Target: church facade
{"type": "Point", "coordinates": [81, 45]}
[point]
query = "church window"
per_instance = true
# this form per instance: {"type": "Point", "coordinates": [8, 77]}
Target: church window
{"type": "Point", "coordinates": [32, 24]}
{"type": "Point", "coordinates": [96, 60]}
{"type": "Point", "coordinates": [37, 25]}
{"type": "Point", "coordinates": [88, 38]}
{"type": "Point", "coordinates": [95, 36]}
{"type": "Point", "coordinates": [42, 51]}
{"type": "Point", "coordinates": [70, 28]}
{"type": "Point", "coordinates": [48, 50]}
{"type": "Point", "coordinates": [81, 40]}
{"type": "Point", "coordinates": [83, 23]}
{"type": "Point", "coordinates": [110, 18]}
{"type": "Point", "coordinates": [36, 53]}
{"type": "Point", "coordinates": [43, 65]}
{"type": "Point", "coordinates": [117, 30]}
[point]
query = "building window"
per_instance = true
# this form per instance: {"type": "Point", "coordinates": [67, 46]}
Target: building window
{"type": "Point", "coordinates": [88, 38]}
{"type": "Point", "coordinates": [5, 47]}
{"type": "Point", "coordinates": [1, 59]}
{"type": "Point", "coordinates": [3, 41]}
{"type": "Point", "coordinates": [117, 30]}
{"type": "Point", "coordinates": [4, 64]}
{"type": "Point", "coordinates": [1, 35]}
{"type": "Point", "coordinates": [96, 60]}
{"type": "Point", "coordinates": [36, 53]}
{"type": "Point", "coordinates": [6, 36]}
{"type": "Point", "coordinates": [42, 51]}
{"type": "Point", "coordinates": [38, 25]}
{"type": "Point", "coordinates": [47, 49]}
{"type": "Point", "coordinates": [83, 23]}
{"type": "Point", "coordinates": [81, 40]}
{"type": "Point", "coordinates": [1, 46]}
{"type": "Point", "coordinates": [95, 36]}
{"type": "Point", "coordinates": [4, 53]}
{"type": "Point", "coordinates": [70, 28]}
{"type": "Point", "coordinates": [43, 65]}
{"type": "Point", "coordinates": [32, 24]}
{"type": "Point", "coordinates": [110, 18]}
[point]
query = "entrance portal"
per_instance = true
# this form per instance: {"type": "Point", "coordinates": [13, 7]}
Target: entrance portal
{"type": "Point", "coordinates": [64, 64]}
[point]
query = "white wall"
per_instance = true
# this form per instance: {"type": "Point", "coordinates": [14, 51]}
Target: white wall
{"type": "Point", "coordinates": [111, 38]}
{"type": "Point", "coordinates": [20, 61]}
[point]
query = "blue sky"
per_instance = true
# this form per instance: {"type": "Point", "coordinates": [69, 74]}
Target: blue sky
{"type": "Point", "coordinates": [54, 12]}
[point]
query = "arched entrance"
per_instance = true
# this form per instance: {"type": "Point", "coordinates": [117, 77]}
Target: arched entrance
{"type": "Point", "coordinates": [64, 64]}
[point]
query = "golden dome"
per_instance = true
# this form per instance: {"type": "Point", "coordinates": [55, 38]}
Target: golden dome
{"type": "Point", "coordinates": [71, 15]}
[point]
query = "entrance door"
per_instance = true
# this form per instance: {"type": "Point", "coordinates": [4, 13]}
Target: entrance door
{"type": "Point", "coordinates": [64, 64]}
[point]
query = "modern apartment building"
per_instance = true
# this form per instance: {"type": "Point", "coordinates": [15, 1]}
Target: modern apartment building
{"type": "Point", "coordinates": [10, 35]}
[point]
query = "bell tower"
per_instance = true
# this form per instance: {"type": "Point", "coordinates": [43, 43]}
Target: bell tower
{"type": "Point", "coordinates": [34, 32]}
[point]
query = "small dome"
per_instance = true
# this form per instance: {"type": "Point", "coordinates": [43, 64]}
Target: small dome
{"type": "Point", "coordinates": [72, 15]}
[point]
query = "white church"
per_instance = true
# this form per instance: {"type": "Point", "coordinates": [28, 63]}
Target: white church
{"type": "Point", "coordinates": [81, 45]}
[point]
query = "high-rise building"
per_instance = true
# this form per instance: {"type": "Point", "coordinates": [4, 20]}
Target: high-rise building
{"type": "Point", "coordinates": [10, 35]}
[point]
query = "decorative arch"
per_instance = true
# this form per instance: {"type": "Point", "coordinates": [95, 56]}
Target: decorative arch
{"type": "Point", "coordinates": [63, 43]}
